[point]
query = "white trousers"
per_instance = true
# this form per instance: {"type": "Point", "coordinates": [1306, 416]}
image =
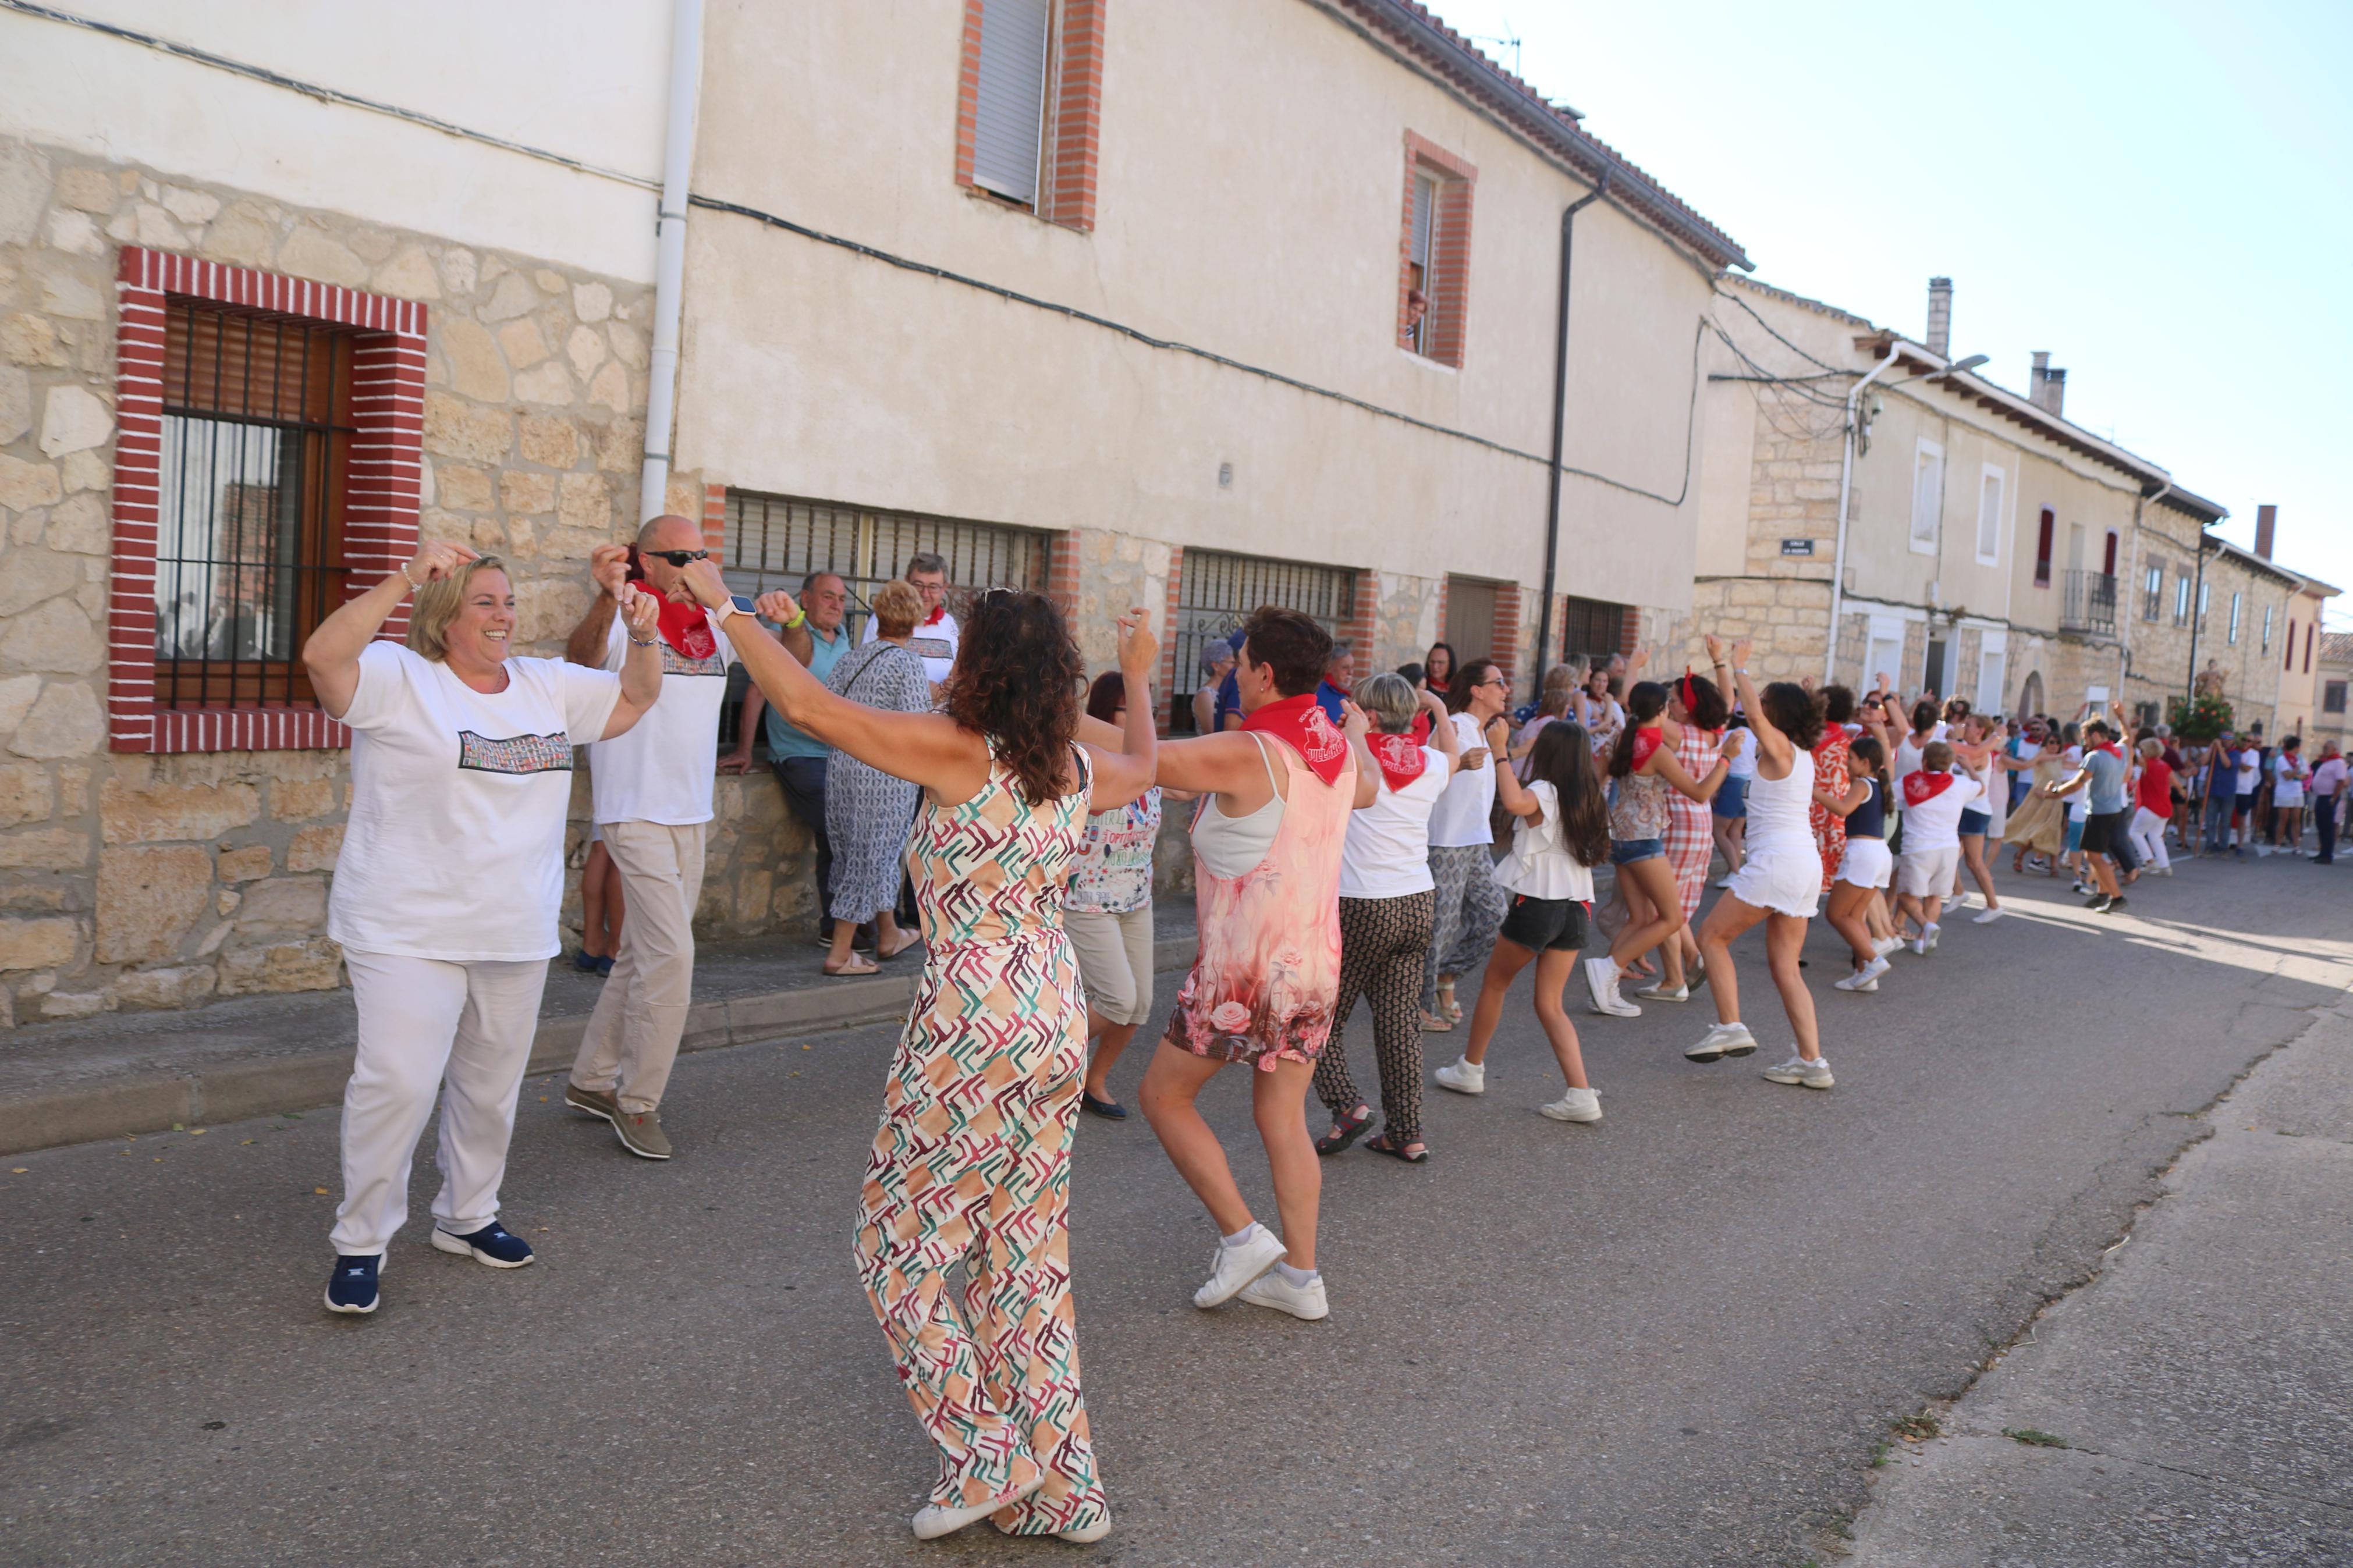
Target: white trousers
{"type": "Point", "coordinates": [2147, 835]}
{"type": "Point", "coordinates": [422, 1020]}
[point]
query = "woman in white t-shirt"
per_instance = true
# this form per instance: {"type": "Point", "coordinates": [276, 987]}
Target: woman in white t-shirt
{"type": "Point", "coordinates": [449, 881]}
{"type": "Point", "coordinates": [1560, 831]}
{"type": "Point", "coordinates": [1388, 900]}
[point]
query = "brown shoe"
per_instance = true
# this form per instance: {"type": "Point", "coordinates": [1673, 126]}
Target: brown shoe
{"type": "Point", "coordinates": [594, 1102]}
{"type": "Point", "coordinates": [641, 1133]}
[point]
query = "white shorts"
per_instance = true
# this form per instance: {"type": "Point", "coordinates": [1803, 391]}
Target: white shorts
{"type": "Point", "coordinates": [1866, 863]}
{"type": "Point", "coordinates": [2282, 795]}
{"type": "Point", "coordinates": [1924, 873]}
{"type": "Point", "coordinates": [1787, 882]}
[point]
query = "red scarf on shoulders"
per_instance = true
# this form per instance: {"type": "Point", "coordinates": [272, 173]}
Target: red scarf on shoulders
{"type": "Point", "coordinates": [2112, 749]}
{"type": "Point", "coordinates": [1400, 757]}
{"type": "Point", "coordinates": [1646, 740]}
{"type": "Point", "coordinates": [687, 628]}
{"type": "Point", "coordinates": [1922, 787]}
{"type": "Point", "coordinates": [1300, 722]}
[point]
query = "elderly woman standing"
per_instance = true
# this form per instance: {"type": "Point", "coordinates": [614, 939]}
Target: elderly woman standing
{"type": "Point", "coordinates": [448, 882]}
{"type": "Point", "coordinates": [970, 1167]}
{"type": "Point", "coordinates": [1387, 901]}
{"type": "Point", "coordinates": [867, 811]}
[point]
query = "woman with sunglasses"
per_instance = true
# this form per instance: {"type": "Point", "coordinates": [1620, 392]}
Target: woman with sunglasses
{"type": "Point", "coordinates": [971, 1164]}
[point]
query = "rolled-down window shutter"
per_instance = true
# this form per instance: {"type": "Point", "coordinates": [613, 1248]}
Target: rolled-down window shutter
{"type": "Point", "coordinates": [1010, 107]}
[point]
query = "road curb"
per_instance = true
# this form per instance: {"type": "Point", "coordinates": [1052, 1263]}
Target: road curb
{"type": "Point", "coordinates": [234, 1089]}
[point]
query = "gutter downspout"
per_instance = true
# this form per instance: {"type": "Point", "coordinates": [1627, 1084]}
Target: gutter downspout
{"type": "Point", "coordinates": [670, 255]}
{"type": "Point", "coordinates": [1559, 427]}
{"type": "Point", "coordinates": [1846, 488]}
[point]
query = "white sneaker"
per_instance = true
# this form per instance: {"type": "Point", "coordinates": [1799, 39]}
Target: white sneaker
{"type": "Point", "coordinates": [1724, 886]}
{"type": "Point", "coordinates": [1600, 978]}
{"type": "Point", "coordinates": [1231, 1267]}
{"type": "Point", "coordinates": [1815, 1074]}
{"type": "Point", "coordinates": [1464, 1076]}
{"type": "Point", "coordinates": [1919, 944]}
{"type": "Point", "coordinates": [932, 1520]}
{"type": "Point", "coordinates": [1991, 916]}
{"type": "Point", "coordinates": [1723, 1040]}
{"type": "Point", "coordinates": [1957, 902]}
{"type": "Point", "coordinates": [1577, 1105]}
{"type": "Point", "coordinates": [1303, 1301]}
{"type": "Point", "coordinates": [1864, 979]}
{"type": "Point", "coordinates": [1658, 992]}
{"type": "Point", "coordinates": [1886, 944]}
{"type": "Point", "coordinates": [1928, 934]}
{"type": "Point", "coordinates": [1615, 1003]}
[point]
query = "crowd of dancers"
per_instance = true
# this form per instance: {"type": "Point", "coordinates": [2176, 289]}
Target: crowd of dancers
{"type": "Point", "coordinates": [1343, 838]}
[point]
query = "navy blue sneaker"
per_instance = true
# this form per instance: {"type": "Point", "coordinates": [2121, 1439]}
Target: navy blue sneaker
{"type": "Point", "coordinates": [352, 1287]}
{"type": "Point", "coordinates": [493, 1244]}
{"type": "Point", "coordinates": [584, 961]}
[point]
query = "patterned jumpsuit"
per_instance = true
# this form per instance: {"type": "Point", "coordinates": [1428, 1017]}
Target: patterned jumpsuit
{"type": "Point", "coordinates": [972, 1160]}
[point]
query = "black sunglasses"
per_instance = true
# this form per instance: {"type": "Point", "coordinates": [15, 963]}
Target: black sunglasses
{"type": "Point", "coordinates": [678, 557]}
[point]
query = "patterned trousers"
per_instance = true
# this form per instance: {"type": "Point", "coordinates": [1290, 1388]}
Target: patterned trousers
{"type": "Point", "coordinates": [972, 1164]}
{"type": "Point", "coordinates": [1384, 942]}
{"type": "Point", "coordinates": [1470, 911]}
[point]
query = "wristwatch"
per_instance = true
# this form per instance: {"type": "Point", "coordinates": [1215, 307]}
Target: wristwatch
{"type": "Point", "coordinates": [727, 607]}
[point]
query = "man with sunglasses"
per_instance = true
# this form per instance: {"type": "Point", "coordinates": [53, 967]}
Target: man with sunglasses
{"type": "Point", "coordinates": [936, 634]}
{"type": "Point", "coordinates": [652, 791]}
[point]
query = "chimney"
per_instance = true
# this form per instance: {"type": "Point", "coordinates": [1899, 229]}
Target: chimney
{"type": "Point", "coordinates": [2047, 388]}
{"type": "Point", "coordinates": [2266, 521]}
{"type": "Point", "coordinates": [1940, 317]}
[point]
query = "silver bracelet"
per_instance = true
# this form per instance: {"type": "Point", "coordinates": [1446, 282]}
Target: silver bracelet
{"type": "Point", "coordinates": [641, 642]}
{"type": "Point", "coordinates": [412, 582]}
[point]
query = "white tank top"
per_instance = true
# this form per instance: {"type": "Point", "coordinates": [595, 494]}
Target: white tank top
{"type": "Point", "coordinates": [1230, 846]}
{"type": "Point", "coordinates": [1778, 809]}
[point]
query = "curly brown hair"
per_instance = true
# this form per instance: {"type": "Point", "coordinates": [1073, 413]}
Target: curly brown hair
{"type": "Point", "coordinates": [1016, 681]}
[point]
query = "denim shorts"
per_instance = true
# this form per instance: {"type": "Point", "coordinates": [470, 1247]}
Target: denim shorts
{"type": "Point", "coordinates": [1976, 822]}
{"type": "Point", "coordinates": [2074, 835]}
{"type": "Point", "coordinates": [1625, 852]}
{"type": "Point", "coordinates": [1731, 801]}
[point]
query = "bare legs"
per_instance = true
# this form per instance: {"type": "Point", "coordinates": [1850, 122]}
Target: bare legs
{"type": "Point", "coordinates": [1654, 880]}
{"type": "Point", "coordinates": [1730, 917]}
{"type": "Point", "coordinates": [1731, 839]}
{"type": "Point", "coordinates": [1110, 1041]}
{"type": "Point", "coordinates": [1785, 939]}
{"type": "Point", "coordinates": [1848, 916]}
{"type": "Point", "coordinates": [1973, 857]}
{"type": "Point", "coordinates": [1554, 968]}
{"type": "Point", "coordinates": [888, 943]}
{"type": "Point", "coordinates": [1278, 1104]}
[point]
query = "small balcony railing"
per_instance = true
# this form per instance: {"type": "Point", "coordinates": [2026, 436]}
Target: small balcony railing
{"type": "Point", "coordinates": [2090, 604]}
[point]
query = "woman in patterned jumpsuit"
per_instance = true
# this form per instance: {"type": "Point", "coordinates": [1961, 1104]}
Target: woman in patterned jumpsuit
{"type": "Point", "coordinates": [971, 1163]}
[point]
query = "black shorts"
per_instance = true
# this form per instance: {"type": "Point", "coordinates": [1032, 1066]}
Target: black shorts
{"type": "Point", "coordinates": [2103, 831]}
{"type": "Point", "coordinates": [1540, 923]}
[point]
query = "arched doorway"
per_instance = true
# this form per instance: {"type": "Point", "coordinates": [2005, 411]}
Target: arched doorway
{"type": "Point", "coordinates": [2029, 696]}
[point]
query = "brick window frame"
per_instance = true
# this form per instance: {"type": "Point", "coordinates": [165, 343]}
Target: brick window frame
{"type": "Point", "coordinates": [1446, 321]}
{"type": "Point", "coordinates": [380, 520]}
{"type": "Point", "coordinates": [1070, 139]}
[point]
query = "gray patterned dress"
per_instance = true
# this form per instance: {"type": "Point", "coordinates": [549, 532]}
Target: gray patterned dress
{"type": "Point", "coordinates": [867, 811]}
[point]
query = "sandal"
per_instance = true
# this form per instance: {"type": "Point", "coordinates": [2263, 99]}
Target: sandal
{"type": "Point", "coordinates": [908, 939]}
{"type": "Point", "coordinates": [1436, 1023]}
{"type": "Point", "coordinates": [851, 967]}
{"type": "Point", "coordinates": [1346, 1129]}
{"type": "Point", "coordinates": [1412, 1154]}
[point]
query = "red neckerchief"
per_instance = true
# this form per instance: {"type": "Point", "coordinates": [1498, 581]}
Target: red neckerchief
{"type": "Point", "coordinates": [1401, 758]}
{"type": "Point", "coordinates": [1420, 728]}
{"type": "Point", "coordinates": [1300, 721]}
{"type": "Point", "coordinates": [939, 613]}
{"type": "Point", "coordinates": [1921, 788]}
{"type": "Point", "coordinates": [687, 628]}
{"type": "Point", "coordinates": [1646, 740]}
{"type": "Point", "coordinates": [2112, 749]}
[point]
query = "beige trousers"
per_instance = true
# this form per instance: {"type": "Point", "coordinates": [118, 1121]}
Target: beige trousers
{"type": "Point", "coordinates": [632, 1036]}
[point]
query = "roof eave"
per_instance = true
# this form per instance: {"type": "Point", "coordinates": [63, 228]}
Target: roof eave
{"type": "Point", "coordinates": [1411, 25]}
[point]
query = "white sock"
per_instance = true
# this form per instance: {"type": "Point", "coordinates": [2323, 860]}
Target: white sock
{"type": "Point", "coordinates": [1302, 1277]}
{"type": "Point", "coordinates": [1241, 1236]}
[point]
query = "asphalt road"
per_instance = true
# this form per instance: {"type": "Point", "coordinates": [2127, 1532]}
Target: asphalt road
{"type": "Point", "coordinates": [1674, 1338]}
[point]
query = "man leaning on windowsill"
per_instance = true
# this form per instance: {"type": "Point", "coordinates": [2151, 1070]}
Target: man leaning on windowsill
{"type": "Point", "coordinates": [817, 639]}
{"type": "Point", "coordinates": [651, 790]}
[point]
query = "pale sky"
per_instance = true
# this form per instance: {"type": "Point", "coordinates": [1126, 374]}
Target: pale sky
{"type": "Point", "coordinates": [2160, 194]}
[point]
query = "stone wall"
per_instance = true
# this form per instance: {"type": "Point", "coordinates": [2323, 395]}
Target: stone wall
{"type": "Point", "coordinates": [130, 880]}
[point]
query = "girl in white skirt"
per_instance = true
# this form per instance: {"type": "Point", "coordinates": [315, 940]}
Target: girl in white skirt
{"type": "Point", "coordinates": [1781, 879]}
{"type": "Point", "coordinates": [1866, 866]}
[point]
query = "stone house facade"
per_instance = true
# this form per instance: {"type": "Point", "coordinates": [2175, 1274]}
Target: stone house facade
{"type": "Point", "coordinates": [452, 300]}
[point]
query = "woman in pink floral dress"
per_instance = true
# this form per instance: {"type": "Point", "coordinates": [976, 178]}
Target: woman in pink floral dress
{"type": "Point", "coordinates": [1267, 848]}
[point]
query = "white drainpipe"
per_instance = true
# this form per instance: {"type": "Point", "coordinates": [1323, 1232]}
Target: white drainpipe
{"type": "Point", "coordinates": [1846, 486]}
{"type": "Point", "coordinates": [669, 253]}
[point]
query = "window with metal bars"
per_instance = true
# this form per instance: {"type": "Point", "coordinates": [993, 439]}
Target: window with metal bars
{"type": "Point", "coordinates": [1592, 630]}
{"type": "Point", "coordinates": [255, 463]}
{"type": "Point", "coordinates": [775, 541]}
{"type": "Point", "coordinates": [1216, 593]}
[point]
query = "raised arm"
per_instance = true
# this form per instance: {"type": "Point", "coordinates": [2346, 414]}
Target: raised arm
{"type": "Point", "coordinates": [1356, 727]}
{"type": "Point", "coordinates": [1123, 775]}
{"type": "Point", "coordinates": [1442, 737]}
{"type": "Point", "coordinates": [331, 655]}
{"type": "Point", "coordinates": [608, 567]}
{"type": "Point", "coordinates": [1516, 798]}
{"type": "Point", "coordinates": [641, 673]}
{"type": "Point", "coordinates": [1670, 767]}
{"type": "Point", "coordinates": [1772, 746]}
{"type": "Point", "coordinates": [928, 749]}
